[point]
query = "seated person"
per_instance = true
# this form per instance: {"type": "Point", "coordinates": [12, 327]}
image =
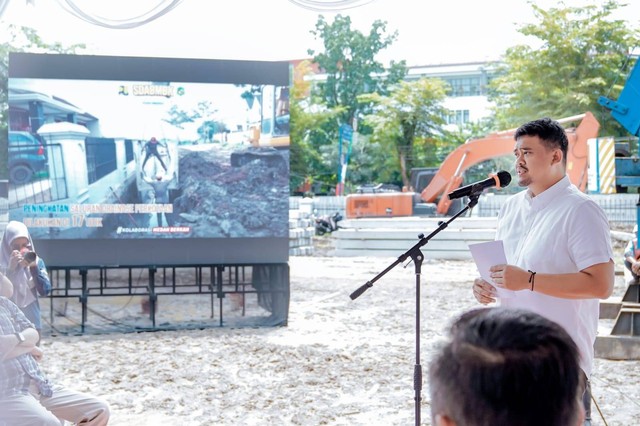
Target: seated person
{"type": "Point", "coordinates": [26, 396]}
{"type": "Point", "coordinates": [28, 275]}
{"type": "Point", "coordinates": [506, 366]}
{"type": "Point", "coordinates": [631, 256]}
{"type": "Point", "coordinates": [6, 287]}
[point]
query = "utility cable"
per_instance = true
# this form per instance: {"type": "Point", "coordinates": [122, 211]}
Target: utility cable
{"type": "Point", "coordinates": [161, 9]}
{"type": "Point", "coordinates": [3, 6]}
{"type": "Point", "coordinates": [599, 411]}
{"type": "Point", "coordinates": [330, 5]}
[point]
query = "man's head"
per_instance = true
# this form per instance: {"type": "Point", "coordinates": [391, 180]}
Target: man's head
{"type": "Point", "coordinates": [506, 367]}
{"type": "Point", "coordinates": [153, 139]}
{"type": "Point", "coordinates": [540, 154]}
{"type": "Point", "coordinates": [159, 177]}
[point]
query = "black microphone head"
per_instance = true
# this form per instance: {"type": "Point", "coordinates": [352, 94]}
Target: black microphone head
{"type": "Point", "coordinates": [504, 177]}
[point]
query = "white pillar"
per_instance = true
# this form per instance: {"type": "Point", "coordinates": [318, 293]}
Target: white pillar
{"type": "Point", "coordinates": [70, 161]}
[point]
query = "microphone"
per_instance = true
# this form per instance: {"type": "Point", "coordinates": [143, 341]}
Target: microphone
{"type": "Point", "coordinates": [499, 180]}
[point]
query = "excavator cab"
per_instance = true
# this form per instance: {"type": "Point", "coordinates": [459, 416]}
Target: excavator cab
{"type": "Point", "coordinates": [449, 175]}
{"type": "Point", "coordinates": [269, 138]}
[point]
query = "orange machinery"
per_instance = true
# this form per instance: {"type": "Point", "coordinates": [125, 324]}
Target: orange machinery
{"type": "Point", "coordinates": [449, 175]}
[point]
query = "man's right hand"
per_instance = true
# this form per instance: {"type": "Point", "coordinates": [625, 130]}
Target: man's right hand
{"type": "Point", "coordinates": [484, 292]}
{"type": "Point", "coordinates": [14, 260]}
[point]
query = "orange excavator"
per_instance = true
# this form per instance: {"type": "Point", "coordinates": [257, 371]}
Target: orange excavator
{"type": "Point", "coordinates": [450, 174]}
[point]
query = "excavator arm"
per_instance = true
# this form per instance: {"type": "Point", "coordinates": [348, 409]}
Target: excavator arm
{"type": "Point", "coordinates": [449, 176]}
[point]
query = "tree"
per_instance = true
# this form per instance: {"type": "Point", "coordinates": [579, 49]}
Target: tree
{"type": "Point", "coordinates": [177, 117]}
{"type": "Point", "coordinates": [209, 128]}
{"type": "Point", "coordinates": [412, 112]}
{"type": "Point", "coordinates": [349, 61]}
{"type": "Point", "coordinates": [20, 39]}
{"type": "Point", "coordinates": [582, 56]}
{"type": "Point", "coordinates": [308, 134]}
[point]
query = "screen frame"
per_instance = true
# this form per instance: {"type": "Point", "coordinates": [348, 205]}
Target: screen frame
{"type": "Point", "coordinates": [157, 252]}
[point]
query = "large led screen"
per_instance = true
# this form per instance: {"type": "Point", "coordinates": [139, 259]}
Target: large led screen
{"type": "Point", "coordinates": [137, 161]}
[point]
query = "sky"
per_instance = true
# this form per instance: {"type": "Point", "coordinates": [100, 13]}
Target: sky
{"type": "Point", "coordinates": [429, 31]}
{"type": "Point", "coordinates": [139, 116]}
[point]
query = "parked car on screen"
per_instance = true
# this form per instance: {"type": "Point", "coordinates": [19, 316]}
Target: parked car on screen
{"type": "Point", "coordinates": [27, 157]}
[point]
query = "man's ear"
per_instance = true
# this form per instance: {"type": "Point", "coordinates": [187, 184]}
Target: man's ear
{"type": "Point", "coordinates": [442, 420]}
{"type": "Point", "coordinates": [557, 156]}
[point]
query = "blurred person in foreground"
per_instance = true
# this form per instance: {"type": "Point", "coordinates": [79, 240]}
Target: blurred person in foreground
{"type": "Point", "coordinates": [557, 244]}
{"type": "Point", "coordinates": [26, 396]}
{"type": "Point", "coordinates": [26, 270]}
{"type": "Point", "coordinates": [505, 366]}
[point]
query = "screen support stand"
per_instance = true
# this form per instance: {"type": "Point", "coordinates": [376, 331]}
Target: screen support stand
{"type": "Point", "coordinates": [417, 257]}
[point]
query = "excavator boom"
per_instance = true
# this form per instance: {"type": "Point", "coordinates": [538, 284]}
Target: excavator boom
{"type": "Point", "coordinates": [449, 176]}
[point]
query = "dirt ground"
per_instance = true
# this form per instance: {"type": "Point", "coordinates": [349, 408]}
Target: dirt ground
{"type": "Point", "coordinates": [337, 362]}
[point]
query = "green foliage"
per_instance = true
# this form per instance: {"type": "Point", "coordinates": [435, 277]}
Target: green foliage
{"type": "Point", "coordinates": [19, 39]}
{"type": "Point", "coordinates": [251, 95]}
{"type": "Point", "coordinates": [318, 112]}
{"type": "Point", "coordinates": [209, 128]}
{"type": "Point", "coordinates": [581, 56]}
{"type": "Point", "coordinates": [177, 117]}
{"type": "Point", "coordinates": [23, 39]}
{"type": "Point", "coordinates": [408, 122]}
{"type": "Point", "coordinates": [309, 158]}
{"type": "Point", "coordinates": [311, 130]}
{"type": "Point", "coordinates": [349, 60]}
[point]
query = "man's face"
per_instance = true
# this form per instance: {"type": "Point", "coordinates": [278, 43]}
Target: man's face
{"type": "Point", "coordinates": [533, 161]}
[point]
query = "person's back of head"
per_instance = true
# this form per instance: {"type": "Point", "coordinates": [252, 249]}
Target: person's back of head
{"type": "Point", "coordinates": [506, 367]}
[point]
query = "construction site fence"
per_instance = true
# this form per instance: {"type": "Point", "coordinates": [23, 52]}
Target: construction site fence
{"type": "Point", "coordinates": [619, 208]}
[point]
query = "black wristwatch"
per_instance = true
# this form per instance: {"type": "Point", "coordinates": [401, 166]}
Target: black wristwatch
{"type": "Point", "coordinates": [20, 337]}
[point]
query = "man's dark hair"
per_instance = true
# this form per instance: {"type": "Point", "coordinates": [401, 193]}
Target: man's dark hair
{"type": "Point", "coordinates": [550, 132]}
{"type": "Point", "coordinates": [506, 367]}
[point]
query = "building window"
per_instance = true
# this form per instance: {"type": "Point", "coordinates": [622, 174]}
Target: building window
{"type": "Point", "coordinates": [128, 151]}
{"type": "Point", "coordinates": [101, 157]}
{"type": "Point", "coordinates": [467, 86]}
{"type": "Point", "coordinates": [458, 117]}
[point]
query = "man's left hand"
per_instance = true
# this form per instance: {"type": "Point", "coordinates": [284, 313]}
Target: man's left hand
{"type": "Point", "coordinates": [510, 277]}
{"type": "Point", "coordinates": [37, 353]}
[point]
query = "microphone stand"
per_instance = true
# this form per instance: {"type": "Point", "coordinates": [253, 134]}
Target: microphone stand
{"type": "Point", "coordinates": [417, 257]}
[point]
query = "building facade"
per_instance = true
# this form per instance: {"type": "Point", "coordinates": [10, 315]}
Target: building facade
{"type": "Point", "coordinates": [467, 98]}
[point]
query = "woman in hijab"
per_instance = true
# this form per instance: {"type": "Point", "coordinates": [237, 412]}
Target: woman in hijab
{"type": "Point", "coordinates": [26, 271]}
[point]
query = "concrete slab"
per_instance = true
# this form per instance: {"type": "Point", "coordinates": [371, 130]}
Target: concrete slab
{"type": "Point", "coordinates": [617, 347]}
{"type": "Point", "coordinates": [385, 237]}
{"type": "Point", "coordinates": [610, 308]}
{"type": "Point", "coordinates": [422, 223]}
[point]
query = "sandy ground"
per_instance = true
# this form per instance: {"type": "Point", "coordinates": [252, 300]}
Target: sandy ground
{"type": "Point", "coordinates": [338, 362]}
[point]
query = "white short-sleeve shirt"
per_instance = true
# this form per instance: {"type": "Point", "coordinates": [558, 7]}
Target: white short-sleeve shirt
{"type": "Point", "coordinates": [558, 231]}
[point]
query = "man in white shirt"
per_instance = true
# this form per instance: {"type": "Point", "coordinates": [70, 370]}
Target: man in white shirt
{"type": "Point", "coordinates": [557, 243]}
